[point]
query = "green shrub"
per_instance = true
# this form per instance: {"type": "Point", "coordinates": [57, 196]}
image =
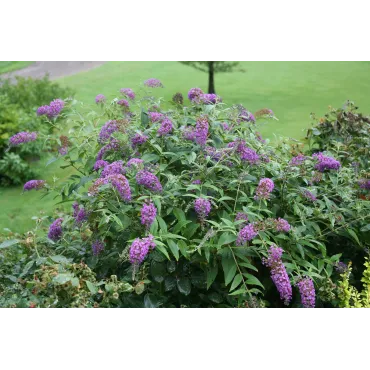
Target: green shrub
{"type": "Point", "coordinates": [220, 220]}
{"type": "Point", "coordinates": [14, 170]}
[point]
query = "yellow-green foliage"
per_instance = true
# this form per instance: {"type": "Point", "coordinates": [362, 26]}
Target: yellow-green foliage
{"type": "Point", "coordinates": [349, 297]}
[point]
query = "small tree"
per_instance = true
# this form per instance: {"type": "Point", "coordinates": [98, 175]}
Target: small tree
{"type": "Point", "coordinates": [211, 68]}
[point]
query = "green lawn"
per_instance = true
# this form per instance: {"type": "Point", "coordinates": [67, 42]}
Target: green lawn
{"type": "Point", "coordinates": [12, 66]}
{"type": "Point", "coordinates": [291, 89]}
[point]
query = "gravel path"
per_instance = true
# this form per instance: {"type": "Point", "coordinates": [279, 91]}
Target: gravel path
{"type": "Point", "coordinates": [54, 69]}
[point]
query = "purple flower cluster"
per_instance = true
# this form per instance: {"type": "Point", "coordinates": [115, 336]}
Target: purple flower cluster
{"type": "Point", "coordinates": [149, 181]}
{"type": "Point", "coordinates": [213, 153]}
{"type": "Point", "coordinates": [140, 248]}
{"type": "Point", "coordinates": [138, 139]}
{"type": "Point", "coordinates": [165, 128]}
{"type": "Point", "coordinates": [100, 99]}
{"type": "Point", "coordinates": [202, 207]}
{"type": "Point", "coordinates": [259, 138]}
{"type": "Point", "coordinates": [134, 162]}
{"type": "Point", "coordinates": [297, 160]}
{"type": "Point", "coordinates": [148, 214]}
{"type": "Point", "coordinates": [52, 110]}
{"type": "Point", "coordinates": [241, 216]}
{"type": "Point", "coordinates": [97, 247]}
{"type": "Point", "coordinates": [196, 182]}
{"type": "Point", "coordinates": [55, 230]}
{"type": "Point", "coordinates": [118, 181]}
{"type": "Point", "coordinates": [364, 184]}
{"type": "Point", "coordinates": [107, 130]}
{"type": "Point", "coordinates": [278, 272]}
{"type": "Point", "coordinates": [210, 99]}
{"type": "Point", "coordinates": [282, 225]}
{"type": "Point", "coordinates": [22, 137]}
{"type": "Point", "coordinates": [265, 187]}
{"type": "Point", "coordinates": [113, 168]}
{"type": "Point", "coordinates": [201, 131]}
{"type": "Point", "coordinates": [225, 126]}
{"type": "Point", "coordinates": [33, 184]}
{"type": "Point", "coordinates": [79, 213]}
{"type": "Point", "coordinates": [189, 133]}
{"type": "Point", "coordinates": [155, 117]}
{"type": "Point", "coordinates": [325, 163]}
{"type": "Point", "coordinates": [245, 153]}
{"type": "Point", "coordinates": [153, 82]}
{"type": "Point", "coordinates": [309, 196]}
{"type": "Point", "coordinates": [128, 93]}
{"type": "Point", "coordinates": [248, 232]}
{"type": "Point", "coordinates": [245, 115]}
{"type": "Point", "coordinates": [307, 292]}
{"type": "Point", "coordinates": [100, 164]}
{"type": "Point", "coordinates": [341, 267]}
{"type": "Point", "coordinates": [123, 103]}
{"type": "Point", "coordinates": [194, 94]}
{"type": "Point", "coordinates": [112, 145]}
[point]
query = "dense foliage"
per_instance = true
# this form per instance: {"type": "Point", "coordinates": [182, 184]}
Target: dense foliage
{"type": "Point", "coordinates": [18, 103]}
{"type": "Point", "coordinates": [190, 207]}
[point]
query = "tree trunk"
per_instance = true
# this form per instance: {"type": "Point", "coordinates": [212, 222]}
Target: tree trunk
{"type": "Point", "coordinates": [211, 81]}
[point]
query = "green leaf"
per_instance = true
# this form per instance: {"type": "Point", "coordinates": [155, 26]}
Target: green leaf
{"type": "Point", "coordinates": [179, 214]}
{"type": "Point", "coordinates": [51, 160]}
{"type": "Point", "coordinates": [169, 283]}
{"type": "Point", "coordinates": [252, 280]}
{"type": "Point", "coordinates": [226, 238]}
{"type": "Point", "coordinates": [229, 267]}
{"type": "Point", "coordinates": [162, 224]}
{"type": "Point", "coordinates": [93, 289]}
{"type": "Point", "coordinates": [158, 271]}
{"type": "Point", "coordinates": [150, 301]}
{"type": "Point", "coordinates": [174, 248]}
{"type": "Point", "coordinates": [8, 243]}
{"type": "Point", "coordinates": [62, 278]}
{"type": "Point", "coordinates": [150, 157]}
{"type": "Point", "coordinates": [180, 225]}
{"type": "Point", "coordinates": [184, 286]}
{"type": "Point", "coordinates": [190, 230]}
{"type": "Point", "coordinates": [27, 268]}
{"type": "Point", "coordinates": [365, 228]}
{"type": "Point", "coordinates": [59, 259]}
{"type": "Point", "coordinates": [354, 235]}
{"type": "Point", "coordinates": [211, 275]}
{"type": "Point", "coordinates": [236, 282]}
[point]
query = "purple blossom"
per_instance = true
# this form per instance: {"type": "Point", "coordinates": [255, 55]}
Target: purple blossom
{"type": "Point", "coordinates": [309, 196]}
{"type": "Point", "coordinates": [278, 272]}
{"type": "Point", "coordinates": [100, 99]}
{"type": "Point", "coordinates": [210, 98]}
{"type": "Point", "coordinates": [259, 138]}
{"type": "Point", "coordinates": [113, 168]}
{"type": "Point", "coordinates": [213, 153]}
{"type": "Point", "coordinates": [135, 162]}
{"type": "Point", "coordinates": [201, 131]}
{"type": "Point", "coordinates": [63, 150]}
{"type": "Point", "coordinates": [55, 230]}
{"type": "Point", "coordinates": [165, 128]}
{"type": "Point", "coordinates": [34, 184]}
{"type": "Point", "coordinates": [100, 164]}
{"type": "Point", "coordinates": [43, 110]}
{"type": "Point", "coordinates": [148, 214]}
{"type": "Point", "coordinates": [97, 247]}
{"type": "Point", "coordinates": [341, 267]}
{"type": "Point", "coordinates": [248, 232]}
{"type": "Point", "coordinates": [112, 145]}
{"type": "Point", "coordinates": [202, 207]}
{"type": "Point", "coordinates": [189, 133]}
{"type": "Point", "coordinates": [364, 184]}
{"type": "Point", "coordinates": [282, 225]}
{"type": "Point", "coordinates": [76, 209]}
{"type": "Point", "coordinates": [138, 139]}
{"type": "Point", "coordinates": [194, 94]}
{"type": "Point", "coordinates": [149, 181]}
{"type": "Point", "coordinates": [241, 216]}
{"type": "Point", "coordinates": [153, 82]}
{"type": "Point", "coordinates": [196, 182]}
{"type": "Point", "coordinates": [307, 292]}
{"type": "Point", "coordinates": [107, 130]}
{"type": "Point", "coordinates": [128, 92]}
{"type": "Point", "coordinates": [155, 117]}
{"type": "Point", "coordinates": [123, 103]}
{"type": "Point", "coordinates": [245, 115]}
{"type": "Point", "coordinates": [245, 153]}
{"type": "Point", "coordinates": [297, 160]}
{"type": "Point", "coordinates": [325, 163]}
{"type": "Point", "coordinates": [55, 108]}
{"type": "Point", "coordinates": [225, 126]}
{"type": "Point", "coordinates": [140, 248]}
{"type": "Point", "coordinates": [118, 181]}
{"type": "Point", "coordinates": [22, 137]}
{"type": "Point", "coordinates": [265, 187]}
{"type": "Point", "coordinates": [81, 216]}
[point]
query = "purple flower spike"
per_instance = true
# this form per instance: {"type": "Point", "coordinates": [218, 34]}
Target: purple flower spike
{"type": "Point", "coordinates": [307, 292]}
{"type": "Point", "coordinates": [55, 108]}
{"type": "Point", "coordinates": [325, 163]}
{"type": "Point", "coordinates": [245, 234]}
{"type": "Point", "coordinates": [97, 247]}
{"type": "Point", "coordinates": [278, 272]}
{"type": "Point", "coordinates": [148, 214]}
{"type": "Point", "coordinates": [100, 99]}
{"type": "Point", "coordinates": [140, 248]}
{"type": "Point", "coordinates": [128, 93]}
{"type": "Point", "coordinates": [166, 127]}
{"type": "Point", "coordinates": [282, 225]}
{"type": "Point", "coordinates": [153, 82]}
{"type": "Point", "coordinates": [149, 181]}
{"type": "Point", "coordinates": [43, 110]}
{"type": "Point", "coordinates": [202, 207]}
{"type": "Point", "coordinates": [55, 230]}
{"type": "Point", "coordinates": [265, 187]}
{"type": "Point", "coordinates": [34, 184]}
{"type": "Point", "coordinates": [22, 137]}
{"type": "Point", "coordinates": [194, 94]}
{"type": "Point", "coordinates": [201, 131]}
{"type": "Point", "coordinates": [138, 139]}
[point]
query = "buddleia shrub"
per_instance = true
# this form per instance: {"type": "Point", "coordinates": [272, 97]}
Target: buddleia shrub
{"type": "Point", "coordinates": [188, 206]}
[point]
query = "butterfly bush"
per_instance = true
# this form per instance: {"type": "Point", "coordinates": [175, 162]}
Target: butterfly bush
{"type": "Point", "coordinates": [100, 99]}
{"type": "Point", "coordinates": [22, 137]}
{"type": "Point", "coordinates": [190, 176]}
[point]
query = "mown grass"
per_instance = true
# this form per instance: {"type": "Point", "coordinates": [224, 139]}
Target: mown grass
{"type": "Point", "coordinates": [291, 89]}
{"type": "Point", "coordinates": [12, 66]}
